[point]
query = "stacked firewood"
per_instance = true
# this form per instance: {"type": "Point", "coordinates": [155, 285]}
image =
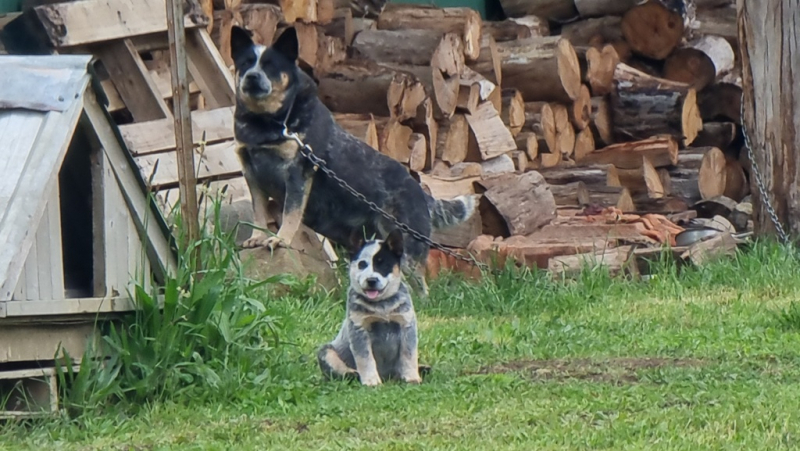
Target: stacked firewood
{"type": "Point", "coordinates": [615, 103]}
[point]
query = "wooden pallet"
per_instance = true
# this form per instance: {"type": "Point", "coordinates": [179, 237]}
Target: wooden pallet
{"type": "Point", "coordinates": [133, 63]}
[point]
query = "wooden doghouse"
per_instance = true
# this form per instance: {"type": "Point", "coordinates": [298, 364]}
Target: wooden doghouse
{"type": "Point", "coordinates": [76, 225]}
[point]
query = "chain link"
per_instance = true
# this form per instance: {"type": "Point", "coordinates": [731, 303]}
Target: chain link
{"type": "Point", "coordinates": [320, 163]}
{"type": "Point", "coordinates": [762, 190]}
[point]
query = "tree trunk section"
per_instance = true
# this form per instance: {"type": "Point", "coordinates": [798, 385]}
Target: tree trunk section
{"type": "Point", "coordinates": [542, 69]}
{"type": "Point", "coordinates": [769, 38]}
{"type": "Point", "coordinates": [644, 106]}
{"type": "Point", "coordinates": [652, 30]}
{"type": "Point", "coordinates": [547, 9]}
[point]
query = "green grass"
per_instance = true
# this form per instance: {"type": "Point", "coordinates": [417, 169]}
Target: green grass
{"type": "Point", "coordinates": [705, 359]}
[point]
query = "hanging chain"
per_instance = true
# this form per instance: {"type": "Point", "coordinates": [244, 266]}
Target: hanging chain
{"type": "Point", "coordinates": [320, 163]}
{"type": "Point", "coordinates": [762, 190]}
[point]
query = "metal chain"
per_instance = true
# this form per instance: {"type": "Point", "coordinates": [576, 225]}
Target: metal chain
{"type": "Point", "coordinates": [762, 190]}
{"type": "Point", "coordinates": [320, 163]}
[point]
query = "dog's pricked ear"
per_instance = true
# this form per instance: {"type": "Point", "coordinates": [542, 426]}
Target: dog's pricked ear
{"type": "Point", "coordinates": [287, 44]}
{"type": "Point", "coordinates": [395, 242]}
{"type": "Point", "coordinates": [356, 242]}
{"type": "Point", "coordinates": [241, 40]}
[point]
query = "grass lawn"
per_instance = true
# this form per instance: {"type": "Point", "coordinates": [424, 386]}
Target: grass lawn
{"type": "Point", "coordinates": [700, 360]}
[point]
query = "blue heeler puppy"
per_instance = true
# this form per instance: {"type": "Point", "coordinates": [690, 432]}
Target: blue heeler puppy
{"type": "Point", "coordinates": [378, 338]}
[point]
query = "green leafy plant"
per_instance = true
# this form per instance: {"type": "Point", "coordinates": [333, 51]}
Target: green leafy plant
{"type": "Point", "coordinates": [206, 332]}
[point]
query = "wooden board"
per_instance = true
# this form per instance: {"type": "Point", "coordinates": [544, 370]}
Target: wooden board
{"type": "Point", "coordinates": [87, 21]}
{"type": "Point", "coordinates": [218, 161]}
{"type": "Point", "coordinates": [157, 136]}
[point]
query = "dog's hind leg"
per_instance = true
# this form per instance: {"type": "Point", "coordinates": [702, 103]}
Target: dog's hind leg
{"type": "Point", "coordinates": [332, 365]}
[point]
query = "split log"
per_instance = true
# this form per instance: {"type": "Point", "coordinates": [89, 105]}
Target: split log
{"type": "Point", "coordinates": [453, 139]}
{"type": "Point", "coordinates": [540, 119]}
{"type": "Point", "coordinates": [644, 106]}
{"type": "Point", "coordinates": [597, 175]}
{"type": "Point", "coordinates": [597, 8]}
{"type": "Point", "coordinates": [716, 134]}
{"type": "Point", "coordinates": [447, 65]}
{"type": "Point", "coordinates": [721, 175]}
{"type": "Point", "coordinates": [404, 96]}
{"type": "Point", "coordinates": [501, 164]}
{"type": "Point", "coordinates": [407, 46]}
{"type": "Point", "coordinates": [661, 151]}
{"type": "Point", "coordinates": [516, 28]}
{"type": "Point", "coordinates": [565, 134]}
{"type": "Point", "coordinates": [611, 196]}
{"type": "Point", "coordinates": [356, 88]}
{"type": "Point", "coordinates": [692, 158]}
{"type": "Point", "coordinates": [543, 69]}
{"type": "Point", "coordinates": [491, 136]}
{"type": "Point", "coordinates": [513, 110]}
{"type": "Point", "coordinates": [643, 180]}
{"type": "Point", "coordinates": [600, 123]}
{"type": "Point", "coordinates": [465, 22]}
{"type": "Point", "coordinates": [393, 138]}
{"type": "Point", "coordinates": [429, 128]}
{"type": "Point", "coordinates": [520, 158]}
{"type": "Point", "coordinates": [418, 151]}
{"type": "Point", "coordinates": [489, 63]}
{"type": "Point", "coordinates": [700, 62]}
{"type": "Point", "coordinates": [555, 10]}
{"type": "Point", "coordinates": [473, 89]}
{"type": "Point", "coordinates": [683, 184]}
{"type": "Point", "coordinates": [458, 171]}
{"type": "Point", "coordinates": [524, 201]}
{"type": "Point", "coordinates": [580, 112]}
{"type": "Point", "coordinates": [570, 194]}
{"type": "Point", "coordinates": [362, 126]}
{"type": "Point", "coordinates": [343, 26]}
{"type": "Point", "coordinates": [529, 143]}
{"type": "Point", "coordinates": [584, 144]}
{"type": "Point", "coordinates": [330, 52]}
{"type": "Point", "coordinates": [549, 159]}
{"type": "Point", "coordinates": [653, 30]}
{"type": "Point", "coordinates": [600, 67]}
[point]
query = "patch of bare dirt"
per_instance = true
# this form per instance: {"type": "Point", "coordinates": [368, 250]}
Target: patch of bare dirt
{"type": "Point", "coordinates": [617, 371]}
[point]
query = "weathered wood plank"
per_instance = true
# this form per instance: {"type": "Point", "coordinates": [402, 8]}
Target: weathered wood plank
{"type": "Point", "coordinates": [139, 207]}
{"type": "Point", "coordinates": [132, 80]}
{"type": "Point", "coordinates": [157, 136]}
{"type": "Point", "coordinates": [218, 161]}
{"type": "Point", "coordinates": [87, 21]}
{"type": "Point", "coordinates": [208, 69]}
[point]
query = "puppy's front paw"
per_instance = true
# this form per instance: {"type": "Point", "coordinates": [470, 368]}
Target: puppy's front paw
{"type": "Point", "coordinates": [412, 379]}
{"type": "Point", "coordinates": [371, 380]}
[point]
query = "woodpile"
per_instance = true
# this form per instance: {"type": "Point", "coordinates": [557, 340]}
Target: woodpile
{"type": "Point", "coordinates": [561, 111]}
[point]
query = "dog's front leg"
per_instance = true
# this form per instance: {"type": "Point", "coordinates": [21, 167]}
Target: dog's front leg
{"type": "Point", "coordinates": [409, 356]}
{"type": "Point", "coordinates": [361, 347]}
{"type": "Point", "coordinates": [260, 216]}
{"type": "Point", "coordinates": [298, 189]}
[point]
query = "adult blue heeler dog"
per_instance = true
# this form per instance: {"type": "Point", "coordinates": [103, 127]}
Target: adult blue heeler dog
{"type": "Point", "coordinates": [272, 90]}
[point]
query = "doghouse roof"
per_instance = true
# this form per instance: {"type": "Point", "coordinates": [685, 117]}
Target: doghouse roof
{"type": "Point", "coordinates": [42, 99]}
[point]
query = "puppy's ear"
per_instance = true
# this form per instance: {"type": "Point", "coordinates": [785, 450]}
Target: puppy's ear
{"type": "Point", "coordinates": [395, 242]}
{"type": "Point", "coordinates": [241, 41]}
{"type": "Point", "coordinates": [287, 44]}
{"type": "Point", "coordinates": [355, 243]}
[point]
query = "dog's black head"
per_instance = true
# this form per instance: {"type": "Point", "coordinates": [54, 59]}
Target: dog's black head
{"type": "Point", "coordinates": [375, 265]}
{"type": "Point", "coordinates": [266, 77]}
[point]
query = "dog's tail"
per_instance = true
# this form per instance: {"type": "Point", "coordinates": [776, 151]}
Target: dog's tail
{"type": "Point", "coordinates": [446, 213]}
